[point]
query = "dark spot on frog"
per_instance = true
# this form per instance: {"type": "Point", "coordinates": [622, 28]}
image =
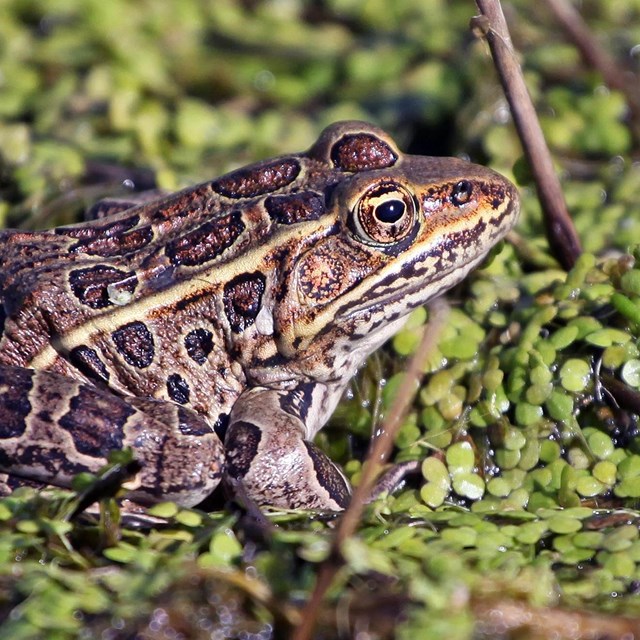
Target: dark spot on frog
{"type": "Point", "coordinates": [44, 415]}
{"type": "Point", "coordinates": [87, 361]}
{"type": "Point", "coordinates": [128, 242]}
{"type": "Point", "coordinates": [191, 424]}
{"type": "Point", "coordinates": [241, 446]}
{"type": "Point", "coordinates": [54, 461]}
{"type": "Point", "coordinates": [297, 401]}
{"type": "Point", "coordinates": [328, 478]}
{"type": "Point", "coordinates": [361, 152]}
{"type": "Point", "coordinates": [92, 231]}
{"type": "Point", "coordinates": [95, 421]}
{"type": "Point", "coordinates": [242, 299]}
{"type": "Point", "coordinates": [496, 193]}
{"type": "Point", "coordinates": [15, 384]}
{"type": "Point", "coordinates": [466, 238]}
{"type": "Point", "coordinates": [249, 182]}
{"type": "Point", "coordinates": [111, 239]}
{"type": "Point", "coordinates": [90, 285]}
{"type": "Point", "coordinates": [276, 360]}
{"type": "Point", "coordinates": [295, 207]}
{"type": "Point", "coordinates": [191, 203]}
{"type": "Point", "coordinates": [135, 343]}
{"type": "Point", "coordinates": [193, 301]}
{"type": "Point", "coordinates": [207, 242]}
{"type": "Point", "coordinates": [178, 388]}
{"type": "Point", "coordinates": [199, 344]}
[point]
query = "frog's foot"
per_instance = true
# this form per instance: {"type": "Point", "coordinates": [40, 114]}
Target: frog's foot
{"type": "Point", "coordinates": [394, 477]}
{"type": "Point", "coordinates": [267, 452]}
{"type": "Point", "coordinates": [9, 483]}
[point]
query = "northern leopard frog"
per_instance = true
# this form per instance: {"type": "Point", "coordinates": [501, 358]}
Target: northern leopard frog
{"type": "Point", "coordinates": [237, 309]}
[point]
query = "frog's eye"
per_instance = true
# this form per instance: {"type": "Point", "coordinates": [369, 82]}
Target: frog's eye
{"type": "Point", "coordinates": [385, 214]}
{"type": "Point", "coordinates": [461, 192]}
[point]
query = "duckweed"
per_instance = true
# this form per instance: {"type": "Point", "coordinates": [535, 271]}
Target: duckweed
{"type": "Point", "coordinates": [578, 458]}
{"type": "Point", "coordinates": [605, 472]}
{"type": "Point", "coordinates": [460, 457]}
{"type": "Point", "coordinates": [585, 326]}
{"type": "Point", "coordinates": [529, 454]}
{"type": "Point", "coordinates": [629, 467]}
{"type": "Point", "coordinates": [549, 450]}
{"type": "Point", "coordinates": [514, 440]}
{"type": "Point", "coordinates": [564, 337]}
{"type": "Point", "coordinates": [600, 444]}
{"type": "Point", "coordinates": [528, 414]}
{"type": "Point", "coordinates": [619, 564]}
{"type": "Point", "coordinates": [588, 486]}
{"type": "Point", "coordinates": [607, 337]}
{"type": "Point", "coordinates": [630, 373]}
{"type": "Point", "coordinates": [438, 482]}
{"type": "Point", "coordinates": [559, 405]}
{"type": "Point", "coordinates": [531, 532]}
{"type": "Point", "coordinates": [468, 485]}
{"type": "Point", "coordinates": [630, 282]}
{"type": "Point", "coordinates": [563, 524]}
{"type": "Point", "coordinates": [575, 375]}
{"type": "Point", "coordinates": [223, 549]}
{"type": "Point", "coordinates": [628, 488]}
{"type": "Point", "coordinates": [460, 537]}
{"type": "Point", "coordinates": [507, 459]}
{"type": "Point", "coordinates": [499, 487]}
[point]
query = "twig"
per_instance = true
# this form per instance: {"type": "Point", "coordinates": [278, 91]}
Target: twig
{"type": "Point", "coordinates": [596, 56]}
{"type": "Point", "coordinates": [378, 453]}
{"type": "Point", "coordinates": [561, 234]}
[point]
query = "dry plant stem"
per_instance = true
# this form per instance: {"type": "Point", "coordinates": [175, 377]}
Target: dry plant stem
{"type": "Point", "coordinates": [378, 453]}
{"type": "Point", "coordinates": [594, 55]}
{"type": "Point", "coordinates": [561, 234]}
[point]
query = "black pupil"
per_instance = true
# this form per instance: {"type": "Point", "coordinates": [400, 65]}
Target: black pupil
{"type": "Point", "coordinates": [390, 211]}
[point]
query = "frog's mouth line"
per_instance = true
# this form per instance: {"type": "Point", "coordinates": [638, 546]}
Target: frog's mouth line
{"type": "Point", "coordinates": [412, 296]}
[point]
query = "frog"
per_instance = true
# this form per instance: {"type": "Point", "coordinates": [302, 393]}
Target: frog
{"type": "Point", "coordinates": [214, 330]}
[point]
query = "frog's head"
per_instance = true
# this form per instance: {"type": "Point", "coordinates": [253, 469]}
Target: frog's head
{"type": "Point", "coordinates": [399, 230]}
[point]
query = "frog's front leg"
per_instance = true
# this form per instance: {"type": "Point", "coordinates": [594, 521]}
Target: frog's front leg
{"type": "Point", "coordinates": [53, 427]}
{"type": "Point", "coordinates": [268, 448]}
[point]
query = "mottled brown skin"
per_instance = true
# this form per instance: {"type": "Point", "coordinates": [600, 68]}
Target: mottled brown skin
{"type": "Point", "coordinates": [243, 305]}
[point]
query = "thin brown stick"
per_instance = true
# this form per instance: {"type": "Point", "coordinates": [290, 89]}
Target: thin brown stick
{"type": "Point", "coordinates": [597, 57]}
{"type": "Point", "coordinates": [378, 453]}
{"type": "Point", "coordinates": [561, 234]}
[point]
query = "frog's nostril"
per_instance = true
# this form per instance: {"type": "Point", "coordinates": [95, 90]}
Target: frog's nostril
{"type": "Point", "coordinates": [461, 193]}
